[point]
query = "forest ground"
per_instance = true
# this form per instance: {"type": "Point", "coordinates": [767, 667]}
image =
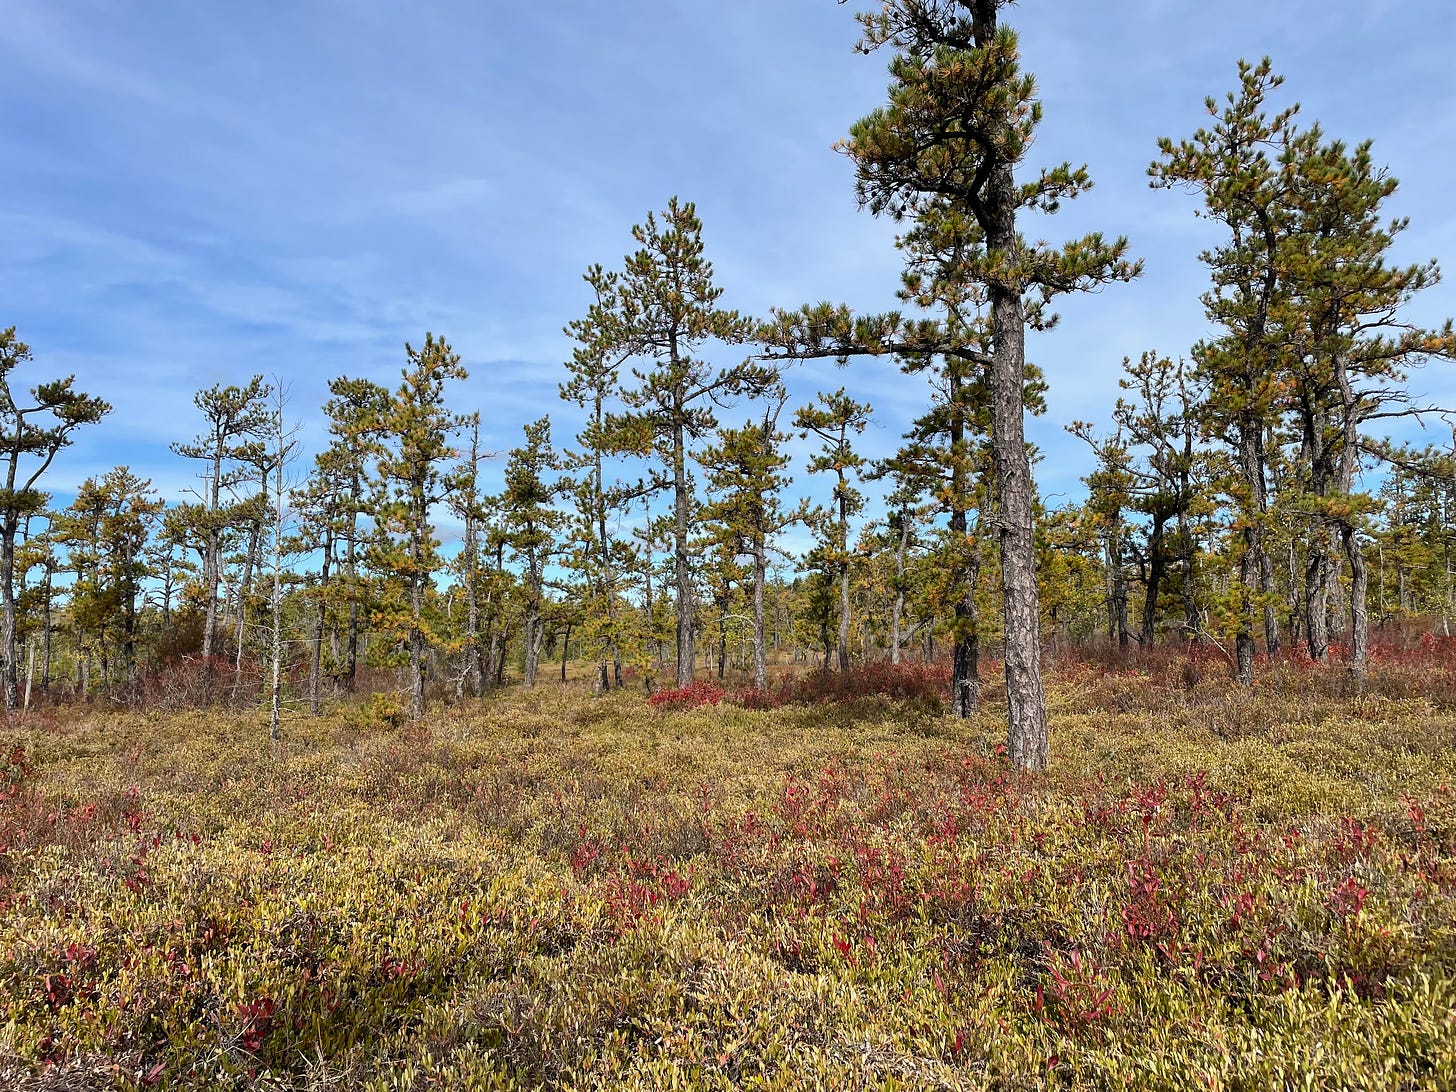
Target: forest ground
{"type": "Point", "coordinates": [1209, 889]}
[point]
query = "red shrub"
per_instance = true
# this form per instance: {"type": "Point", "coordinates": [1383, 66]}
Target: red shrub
{"type": "Point", "coordinates": [906, 681]}
{"type": "Point", "coordinates": [696, 693]}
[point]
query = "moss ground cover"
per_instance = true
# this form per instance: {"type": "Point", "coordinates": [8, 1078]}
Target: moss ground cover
{"type": "Point", "coordinates": [1208, 890]}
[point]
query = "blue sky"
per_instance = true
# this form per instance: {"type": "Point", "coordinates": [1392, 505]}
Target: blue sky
{"type": "Point", "coordinates": [195, 192]}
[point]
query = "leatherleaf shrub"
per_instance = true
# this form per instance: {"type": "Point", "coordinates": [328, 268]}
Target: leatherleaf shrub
{"type": "Point", "coordinates": [556, 890]}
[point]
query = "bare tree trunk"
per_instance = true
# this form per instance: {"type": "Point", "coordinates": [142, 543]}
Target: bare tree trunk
{"type": "Point", "coordinates": [245, 587]}
{"type": "Point", "coordinates": [275, 690]}
{"type": "Point", "coordinates": [1192, 620]}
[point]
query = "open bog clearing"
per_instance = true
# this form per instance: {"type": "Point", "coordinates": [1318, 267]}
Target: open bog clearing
{"type": "Point", "coordinates": [1207, 890]}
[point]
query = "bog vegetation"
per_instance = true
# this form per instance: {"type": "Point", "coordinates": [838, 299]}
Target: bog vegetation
{"type": "Point", "coordinates": [614, 789]}
{"type": "Point", "coordinates": [1209, 888]}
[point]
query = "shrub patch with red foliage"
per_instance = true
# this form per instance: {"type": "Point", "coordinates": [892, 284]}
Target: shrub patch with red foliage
{"type": "Point", "coordinates": [920, 682]}
{"type": "Point", "coordinates": [552, 890]}
{"type": "Point", "coordinates": [697, 693]}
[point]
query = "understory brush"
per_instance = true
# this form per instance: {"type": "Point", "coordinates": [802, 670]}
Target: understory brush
{"type": "Point", "coordinates": [552, 889]}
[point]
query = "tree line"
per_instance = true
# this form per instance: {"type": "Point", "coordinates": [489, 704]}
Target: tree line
{"type": "Point", "coordinates": [1226, 503]}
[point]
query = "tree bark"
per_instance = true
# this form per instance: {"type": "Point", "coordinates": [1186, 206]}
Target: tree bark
{"type": "Point", "coordinates": [760, 638]}
{"type": "Point", "coordinates": [1359, 617]}
{"type": "Point", "coordinates": [682, 572]}
{"type": "Point", "coordinates": [1028, 743]}
{"type": "Point", "coordinates": [897, 606]}
{"type": "Point", "coordinates": [1157, 573]}
{"type": "Point", "coordinates": [11, 680]}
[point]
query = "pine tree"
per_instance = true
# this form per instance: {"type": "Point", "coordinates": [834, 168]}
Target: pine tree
{"type": "Point", "coordinates": [746, 477]}
{"type": "Point", "coordinates": [833, 418]}
{"type": "Point", "coordinates": [1312, 347]}
{"type": "Point", "coordinates": [105, 531]}
{"type": "Point", "coordinates": [595, 369]}
{"type": "Point", "coordinates": [412, 441]}
{"type": "Point", "coordinates": [1353, 351]}
{"type": "Point", "coordinates": [237, 419]}
{"type": "Point", "coordinates": [340, 496]}
{"type": "Point", "coordinates": [531, 524]}
{"type": "Point", "coordinates": [662, 310]}
{"type": "Point", "coordinates": [473, 509]}
{"type": "Point", "coordinates": [1242, 187]}
{"type": "Point", "coordinates": [958, 124]}
{"type": "Point", "coordinates": [33, 431]}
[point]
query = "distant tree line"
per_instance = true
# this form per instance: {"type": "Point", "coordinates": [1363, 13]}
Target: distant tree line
{"type": "Point", "coordinates": [1227, 501]}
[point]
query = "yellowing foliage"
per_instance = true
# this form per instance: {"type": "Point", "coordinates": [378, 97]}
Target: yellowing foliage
{"type": "Point", "coordinates": [554, 890]}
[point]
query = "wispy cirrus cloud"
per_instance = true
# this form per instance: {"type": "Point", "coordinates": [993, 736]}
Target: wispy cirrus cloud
{"type": "Point", "coordinates": [195, 193]}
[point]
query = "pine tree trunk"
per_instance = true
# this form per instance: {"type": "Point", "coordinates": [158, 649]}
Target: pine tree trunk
{"type": "Point", "coordinates": [1027, 738]}
{"type": "Point", "coordinates": [1244, 639]}
{"type": "Point", "coordinates": [897, 607]}
{"type": "Point", "coordinates": [760, 637]}
{"type": "Point", "coordinates": [211, 574]}
{"type": "Point", "coordinates": [417, 647]}
{"type": "Point", "coordinates": [49, 629]}
{"type": "Point", "coordinates": [534, 634]}
{"type": "Point", "coordinates": [29, 670]}
{"type": "Point", "coordinates": [1272, 643]}
{"type": "Point", "coordinates": [611, 648]}
{"type": "Point", "coordinates": [250, 562]}
{"type": "Point", "coordinates": [1025, 696]}
{"type": "Point", "coordinates": [1157, 573]}
{"type": "Point", "coordinates": [1349, 533]}
{"type": "Point", "coordinates": [1359, 617]}
{"type": "Point", "coordinates": [1318, 578]}
{"type": "Point", "coordinates": [316, 658]}
{"type": "Point", "coordinates": [966, 659]}
{"type": "Point", "coordinates": [8, 666]}
{"type": "Point", "coordinates": [495, 655]}
{"type": "Point", "coordinates": [686, 647]}
{"type": "Point", "coordinates": [351, 574]}
{"type": "Point", "coordinates": [471, 676]}
{"type": "Point", "coordinates": [722, 644]}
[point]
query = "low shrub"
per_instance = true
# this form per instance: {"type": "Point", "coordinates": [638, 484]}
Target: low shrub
{"type": "Point", "coordinates": [551, 890]}
{"type": "Point", "coordinates": [697, 693]}
{"type": "Point", "coordinates": [919, 682]}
